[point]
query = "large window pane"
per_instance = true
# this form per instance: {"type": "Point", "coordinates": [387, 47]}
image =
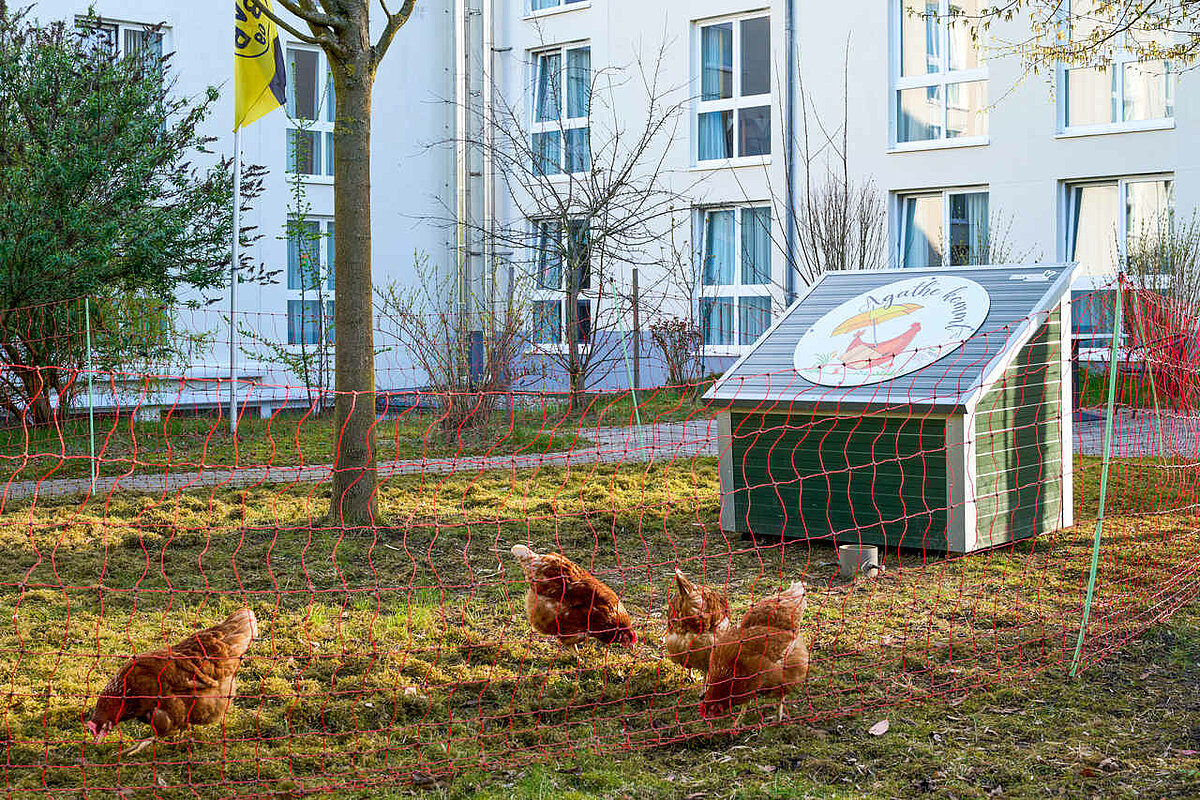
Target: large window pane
{"type": "Point", "coordinates": [719, 248]}
{"type": "Point", "coordinates": [920, 42]}
{"type": "Point", "coordinates": [548, 104]}
{"type": "Point", "coordinates": [756, 56]}
{"type": "Point", "coordinates": [549, 255]}
{"type": "Point", "coordinates": [754, 131]}
{"type": "Point", "coordinates": [304, 321]}
{"type": "Point", "coordinates": [303, 99]}
{"type": "Point", "coordinates": [1093, 314]}
{"type": "Point", "coordinates": [330, 308]}
{"type": "Point", "coordinates": [919, 114]}
{"type": "Point", "coordinates": [716, 62]}
{"type": "Point", "coordinates": [304, 256]}
{"type": "Point", "coordinates": [964, 50]}
{"type": "Point", "coordinates": [579, 82]}
{"type": "Point", "coordinates": [547, 152]}
{"type": "Point", "coordinates": [584, 319]}
{"type": "Point", "coordinates": [1093, 228]}
{"type": "Point", "coordinates": [1148, 209]}
{"type": "Point", "coordinates": [716, 320]}
{"type": "Point", "coordinates": [716, 135]}
{"type": "Point", "coordinates": [330, 252]}
{"type": "Point", "coordinates": [579, 252]}
{"type": "Point", "coordinates": [547, 321]}
{"type": "Point", "coordinates": [966, 109]}
{"type": "Point", "coordinates": [1091, 96]}
{"type": "Point", "coordinates": [756, 246]}
{"type": "Point", "coordinates": [303, 151]}
{"type": "Point", "coordinates": [579, 151]}
{"type": "Point", "coordinates": [921, 243]}
{"type": "Point", "coordinates": [1147, 91]}
{"type": "Point", "coordinates": [754, 317]}
{"type": "Point", "coordinates": [969, 243]}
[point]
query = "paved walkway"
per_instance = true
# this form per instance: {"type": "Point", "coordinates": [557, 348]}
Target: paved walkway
{"type": "Point", "coordinates": [1140, 434]}
{"type": "Point", "coordinates": [1134, 435]}
{"type": "Point", "coordinates": [664, 442]}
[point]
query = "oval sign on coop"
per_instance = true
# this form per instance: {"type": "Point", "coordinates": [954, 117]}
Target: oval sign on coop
{"type": "Point", "coordinates": [895, 330]}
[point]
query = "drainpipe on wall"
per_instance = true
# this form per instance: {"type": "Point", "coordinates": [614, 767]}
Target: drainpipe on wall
{"type": "Point", "coordinates": [789, 146]}
{"type": "Point", "coordinates": [489, 178]}
{"type": "Point", "coordinates": [462, 98]}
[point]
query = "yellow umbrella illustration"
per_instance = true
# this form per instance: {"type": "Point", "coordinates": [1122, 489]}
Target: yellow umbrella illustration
{"type": "Point", "coordinates": [875, 316]}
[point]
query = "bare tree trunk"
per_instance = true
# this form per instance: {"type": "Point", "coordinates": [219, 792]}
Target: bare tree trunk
{"type": "Point", "coordinates": [354, 476]}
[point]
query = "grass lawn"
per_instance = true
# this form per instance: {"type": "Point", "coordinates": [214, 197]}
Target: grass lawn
{"type": "Point", "coordinates": [403, 654]}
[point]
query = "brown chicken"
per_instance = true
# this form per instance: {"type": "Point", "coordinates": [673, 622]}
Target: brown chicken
{"type": "Point", "coordinates": [765, 654]}
{"type": "Point", "coordinates": [566, 601]}
{"type": "Point", "coordinates": [695, 614]}
{"type": "Point", "coordinates": [190, 683]}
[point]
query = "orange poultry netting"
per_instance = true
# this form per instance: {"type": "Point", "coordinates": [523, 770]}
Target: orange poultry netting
{"type": "Point", "coordinates": [648, 522]}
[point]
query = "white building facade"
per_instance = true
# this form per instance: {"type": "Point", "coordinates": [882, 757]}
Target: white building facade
{"type": "Point", "coordinates": [973, 156]}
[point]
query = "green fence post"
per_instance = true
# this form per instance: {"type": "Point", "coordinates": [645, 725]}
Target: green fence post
{"type": "Point", "coordinates": [1108, 428]}
{"type": "Point", "coordinates": [87, 324]}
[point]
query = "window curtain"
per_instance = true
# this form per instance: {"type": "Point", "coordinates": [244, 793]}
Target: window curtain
{"type": "Point", "coordinates": [715, 135]}
{"type": "Point", "coordinates": [716, 317]}
{"type": "Point", "coordinates": [548, 105]}
{"type": "Point", "coordinates": [921, 237]}
{"type": "Point", "coordinates": [579, 82]}
{"type": "Point", "coordinates": [304, 321]}
{"type": "Point", "coordinates": [933, 38]}
{"type": "Point", "coordinates": [978, 234]}
{"type": "Point", "coordinates": [719, 250]}
{"type": "Point", "coordinates": [755, 318]}
{"type": "Point", "coordinates": [716, 62]}
{"type": "Point", "coordinates": [756, 246]}
{"type": "Point", "coordinates": [304, 257]}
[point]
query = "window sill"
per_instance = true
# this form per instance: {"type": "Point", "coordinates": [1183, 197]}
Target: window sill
{"type": "Point", "coordinates": [559, 9]}
{"type": "Point", "coordinates": [730, 163]}
{"type": "Point", "coordinates": [1124, 127]}
{"type": "Point", "coordinates": [940, 144]}
{"type": "Point", "coordinates": [724, 350]}
{"type": "Point", "coordinates": [325, 180]}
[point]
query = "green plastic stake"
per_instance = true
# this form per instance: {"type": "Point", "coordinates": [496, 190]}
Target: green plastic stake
{"type": "Point", "coordinates": [1108, 428]}
{"type": "Point", "coordinates": [87, 325]}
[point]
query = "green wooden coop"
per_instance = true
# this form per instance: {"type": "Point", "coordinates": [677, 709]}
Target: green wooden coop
{"type": "Point", "coordinates": [926, 409]}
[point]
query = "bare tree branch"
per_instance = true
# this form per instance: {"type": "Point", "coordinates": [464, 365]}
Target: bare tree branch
{"type": "Point", "coordinates": [394, 23]}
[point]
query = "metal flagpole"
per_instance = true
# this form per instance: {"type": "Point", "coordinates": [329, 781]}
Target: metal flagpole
{"type": "Point", "coordinates": [233, 277]}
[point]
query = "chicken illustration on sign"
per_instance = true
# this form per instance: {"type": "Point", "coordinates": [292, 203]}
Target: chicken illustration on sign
{"type": "Point", "coordinates": [891, 331]}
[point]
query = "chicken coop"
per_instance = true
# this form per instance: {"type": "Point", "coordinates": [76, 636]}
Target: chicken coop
{"type": "Point", "coordinates": [926, 409]}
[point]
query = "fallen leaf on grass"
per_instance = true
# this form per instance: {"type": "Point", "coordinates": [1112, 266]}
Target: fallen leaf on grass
{"type": "Point", "coordinates": [879, 728]}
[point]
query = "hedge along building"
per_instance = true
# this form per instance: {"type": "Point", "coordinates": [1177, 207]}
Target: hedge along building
{"type": "Point", "coordinates": [921, 409]}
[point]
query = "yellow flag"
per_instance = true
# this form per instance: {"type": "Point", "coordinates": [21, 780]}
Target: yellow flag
{"type": "Point", "coordinates": [260, 81]}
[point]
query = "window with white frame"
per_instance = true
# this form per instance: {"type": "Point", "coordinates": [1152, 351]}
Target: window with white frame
{"type": "Point", "coordinates": [735, 291]}
{"type": "Point", "coordinates": [562, 270]}
{"type": "Point", "coordinates": [544, 5]}
{"type": "Point", "coordinates": [562, 99]}
{"type": "Point", "coordinates": [121, 38]}
{"type": "Point", "coordinates": [311, 110]}
{"type": "Point", "coordinates": [307, 324]}
{"type": "Point", "coordinates": [1125, 92]}
{"type": "Point", "coordinates": [1102, 219]}
{"type": "Point", "coordinates": [733, 113]}
{"type": "Point", "coordinates": [310, 280]}
{"type": "Point", "coordinates": [941, 83]}
{"type": "Point", "coordinates": [943, 228]}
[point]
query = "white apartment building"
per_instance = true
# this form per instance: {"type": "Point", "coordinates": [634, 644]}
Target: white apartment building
{"type": "Point", "coordinates": [972, 154]}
